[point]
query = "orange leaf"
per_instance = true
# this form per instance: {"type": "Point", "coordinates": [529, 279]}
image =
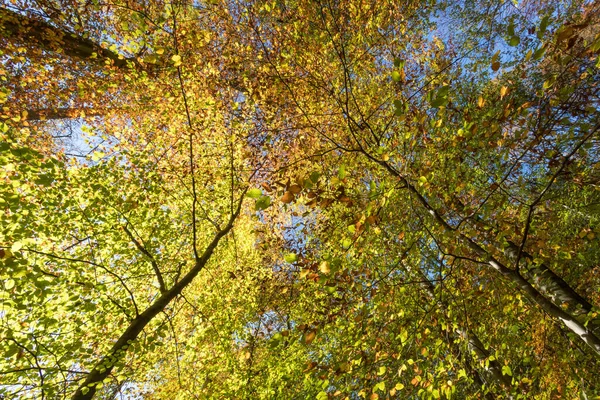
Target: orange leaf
{"type": "Point", "coordinates": [287, 197]}
{"type": "Point", "coordinates": [295, 189]}
{"type": "Point", "coordinates": [309, 337]}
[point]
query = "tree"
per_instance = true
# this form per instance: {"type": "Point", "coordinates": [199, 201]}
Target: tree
{"type": "Point", "coordinates": [300, 199]}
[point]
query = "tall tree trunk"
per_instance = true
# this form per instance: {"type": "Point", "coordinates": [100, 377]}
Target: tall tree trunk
{"type": "Point", "coordinates": [573, 324]}
{"type": "Point", "coordinates": [544, 278]}
{"type": "Point", "coordinates": [43, 35]}
{"type": "Point", "coordinates": [474, 344]}
{"type": "Point", "coordinates": [63, 113]}
{"type": "Point", "coordinates": [549, 283]}
{"type": "Point", "coordinates": [105, 366]}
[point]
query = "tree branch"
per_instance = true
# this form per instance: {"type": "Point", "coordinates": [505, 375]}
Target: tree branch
{"type": "Point", "coordinates": [161, 282]}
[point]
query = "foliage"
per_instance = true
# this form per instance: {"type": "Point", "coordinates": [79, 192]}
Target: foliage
{"type": "Point", "coordinates": [299, 199]}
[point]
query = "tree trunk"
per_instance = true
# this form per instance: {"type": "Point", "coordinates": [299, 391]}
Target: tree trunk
{"type": "Point", "coordinates": [475, 346]}
{"type": "Point", "coordinates": [551, 284]}
{"type": "Point", "coordinates": [48, 37]}
{"type": "Point", "coordinates": [546, 280]}
{"type": "Point", "coordinates": [579, 329]}
{"type": "Point", "coordinates": [105, 366]}
{"type": "Point", "coordinates": [63, 113]}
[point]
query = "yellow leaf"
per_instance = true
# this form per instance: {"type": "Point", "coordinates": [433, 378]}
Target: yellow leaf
{"type": "Point", "coordinates": [324, 267]}
{"type": "Point", "coordinates": [480, 102]}
{"type": "Point", "coordinates": [176, 60]}
{"type": "Point", "coordinates": [503, 91]}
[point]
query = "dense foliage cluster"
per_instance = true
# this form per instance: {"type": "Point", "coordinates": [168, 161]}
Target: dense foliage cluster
{"type": "Point", "coordinates": [299, 199]}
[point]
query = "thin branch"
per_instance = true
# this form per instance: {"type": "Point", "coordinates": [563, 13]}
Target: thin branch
{"type": "Point", "coordinates": [142, 249]}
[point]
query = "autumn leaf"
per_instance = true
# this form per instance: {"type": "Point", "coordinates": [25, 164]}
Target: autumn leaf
{"type": "Point", "coordinates": [310, 336]}
{"type": "Point", "coordinates": [287, 197]}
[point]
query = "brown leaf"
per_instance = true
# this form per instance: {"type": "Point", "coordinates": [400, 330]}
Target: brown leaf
{"type": "Point", "coordinates": [287, 197]}
{"type": "Point", "coordinates": [564, 33]}
{"type": "Point", "coordinates": [309, 337]}
{"type": "Point", "coordinates": [295, 189]}
{"type": "Point", "coordinates": [495, 66]}
{"type": "Point", "coordinates": [326, 203]}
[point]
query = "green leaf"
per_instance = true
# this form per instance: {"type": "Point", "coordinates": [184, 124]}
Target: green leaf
{"type": "Point", "coordinates": [254, 193]}
{"type": "Point", "coordinates": [439, 102]}
{"type": "Point", "coordinates": [543, 26]}
{"type": "Point", "coordinates": [399, 63]}
{"type": "Point", "coordinates": [9, 284]}
{"type": "Point", "coordinates": [262, 203]}
{"type": "Point", "coordinates": [315, 176]}
{"type": "Point", "coordinates": [291, 258]}
{"type": "Point", "coordinates": [511, 29]}
{"type": "Point", "coordinates": [514, 41]}
{"type": "Point", "coordinates": [506, 370]}
{"type": "Point", "coordinates": [443, 91]}
{"type": "Point", "coordinates": [539, 53]}
{"type": "Point", "coordinates": [396, 77]}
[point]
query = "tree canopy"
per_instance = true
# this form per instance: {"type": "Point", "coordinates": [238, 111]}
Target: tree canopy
{"type": "Point", "coordinates": [299, 199]}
